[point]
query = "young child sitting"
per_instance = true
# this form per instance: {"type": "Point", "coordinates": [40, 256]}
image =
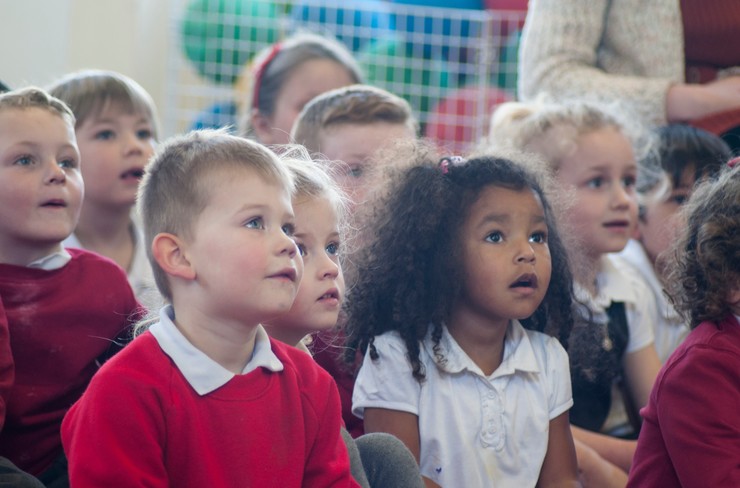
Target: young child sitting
{"type": "Point", "coordinates": [377, 460]}
{"type": "Point", "coordinates": [286, 76]}
{"type": "Point", "coordinates": [204, 397]}
{"type": "Point", "coordinates": [116, 132]}
{"type": "Point", "coordinates": [65, 308]}
{"type": "Point", "coordinates": [691, 430]}
{"type": "Point", "coordinates": [684, 156]}
{"type": "Point", "coordinates": [591, 154]}
{"type": "Point", "coordinates": [461, 299]}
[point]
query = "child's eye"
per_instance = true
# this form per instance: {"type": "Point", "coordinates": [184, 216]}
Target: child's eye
{"type": "Point", "coordinates": [538, 238]}
{"type": "Point", "coordinates": [679, 199]}
{"type": "Point", "coordinates": [288, 229]}
{"type": "Point", "coordinates": [332, 249]}
{"type": "Point", "coordinates": [595, 182]}
{"type": "Point", "coordinates": [629, 181]}
{"type": "Point", "coordinates": [301, 248]}
{"type": "Point", "coordinates": [355, 171]}
{"type": "Point", "coordinates": [255, 223]}
{"type": "Point", "coordinates": [67, 163]}
{"type": "Point", "coordinates": [144, 134]}
{"type": "Point", "coordinates": [105, 135]}
{"type": "Point", "coordinates": [24, 161]}
{"type": "Point", "coordinates": [495, 237]}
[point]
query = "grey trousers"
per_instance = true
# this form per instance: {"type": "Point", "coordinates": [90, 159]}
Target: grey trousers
{"type": "Point", "coordinates": [380, 460]}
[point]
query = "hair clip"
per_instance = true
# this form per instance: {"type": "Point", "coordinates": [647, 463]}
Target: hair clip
{"type": "Point", "coordinates": [259, 72]}
{"type": "Point", "coordinates": [733, 162]}
{"type": "Point", "coordinates": [447, 161]}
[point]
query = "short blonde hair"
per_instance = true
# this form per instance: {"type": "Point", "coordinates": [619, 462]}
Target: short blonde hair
{"type": "Point", "coordinates": [354, 104]}
{"type": "Point", "coordinates": [551, 130]}
{"type": "Point", "coordinates": [90, 92]}
{"type": "Point", "coordinates": [173, 193]}
{"type": "Point", "coordinates": [34, 97]}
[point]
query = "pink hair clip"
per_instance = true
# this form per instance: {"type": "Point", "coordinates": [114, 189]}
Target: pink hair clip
{"type": "Point", "coordinates": [733, 162]}
{"type": "Point", "coordinates": [447, 161]}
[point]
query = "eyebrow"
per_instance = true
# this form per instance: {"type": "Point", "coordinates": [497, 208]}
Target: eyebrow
{"type": "Point", "coordinates": [36, 145]}
{"type": "Point", "coordinates": [505, 218]}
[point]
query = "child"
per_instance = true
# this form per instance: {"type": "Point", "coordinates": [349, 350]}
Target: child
{"type": "Point", "coordinates": [461, 254]}
{"type": "Point", "coordinates": [320, 230]}
{"type": "Point", "coordinates": [590, 153]}
{"type": "Point", "coordinates": [65, 308]}
{"type": "Point", "coordinates": [691, 427]}
{"type": "Point", "coordinates": [351, 125]}
{"type": "Point", "coordinates": [285, 76]}
{"type": "Point", "coordinates": [116, 132]}
{"type": "Point", "coordinates": [204, 397]}
{"type": "Point", "coordinates": [685, 155]}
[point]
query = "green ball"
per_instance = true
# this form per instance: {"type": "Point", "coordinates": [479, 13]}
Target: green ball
{"type": "Point", "coordinates": [220, 36]}
{"type": "Point", "coordinates": [395, 65]}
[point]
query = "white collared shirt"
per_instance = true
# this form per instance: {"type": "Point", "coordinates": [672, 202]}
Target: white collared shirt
{"type": "Point", "coordinates": [53, 261]}
{"type": "Point", "coordinates": [203, 373]}
{"type": "Point", "coordinates": [669, 328]}
{"type": "Point", "coordinates": [475, 430]}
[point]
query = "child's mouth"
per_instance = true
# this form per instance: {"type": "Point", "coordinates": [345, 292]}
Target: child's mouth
{"type": "Point", "coordinates": [525, 281]}
{"type": "Point", "coordinates": [133, 174]}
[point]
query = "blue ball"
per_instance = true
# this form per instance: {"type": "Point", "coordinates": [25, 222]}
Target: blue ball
{"type": "Point", "coordinates": [218, 115]}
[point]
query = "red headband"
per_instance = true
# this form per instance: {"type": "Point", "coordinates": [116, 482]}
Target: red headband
{"type": "Point", "coordinates": [259, 72]}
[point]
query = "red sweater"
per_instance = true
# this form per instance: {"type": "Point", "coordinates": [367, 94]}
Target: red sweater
{"type": "Point", "coordinates": [61, 322]}
{"type": "Point", "coordinates": [140, 423]}
{"type": "Point", "coordinates": [691, 433]}
{"type": "Point", "coordinates": [6, 363]}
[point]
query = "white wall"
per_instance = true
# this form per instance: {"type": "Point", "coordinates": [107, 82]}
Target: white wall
{"type": "Point", "coordinates": [41, 40]}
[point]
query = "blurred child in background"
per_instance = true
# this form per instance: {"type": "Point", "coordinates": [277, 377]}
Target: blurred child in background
{"type": "Point", "coordinates": [116, 130]}
{"type": "Point", "coordinates": [286, 76]}
{"type": "Point", "coordinates": [684, 156]}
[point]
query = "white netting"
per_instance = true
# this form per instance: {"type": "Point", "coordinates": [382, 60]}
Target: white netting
{"type": "Point", "coordinates": [452, 65]}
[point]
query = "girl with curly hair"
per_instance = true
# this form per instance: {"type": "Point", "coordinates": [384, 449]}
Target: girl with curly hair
{"type": "Point", "coordinates": [462, 302]}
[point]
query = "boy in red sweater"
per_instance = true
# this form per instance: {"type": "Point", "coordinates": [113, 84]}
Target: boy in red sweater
{"type": "Point", "coordinates": [204, 397]}
{"type": "Point", "coordinates": [65, 309]}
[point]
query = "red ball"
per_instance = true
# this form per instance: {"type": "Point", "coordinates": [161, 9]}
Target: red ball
{"type": "Point", "coordinates": [461, 119]}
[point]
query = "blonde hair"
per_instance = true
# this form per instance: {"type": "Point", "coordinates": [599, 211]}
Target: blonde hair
{"type": "Point", "coordinates": [173, 191]}
{"type": "Point", "coordinates": [552, 130]}
{"type": "Point", "coordinates": [34, 97]}
{"type": "Point", "coordinates": [91, 92]}
{"type": "Point", "coordinates": [354, 104]}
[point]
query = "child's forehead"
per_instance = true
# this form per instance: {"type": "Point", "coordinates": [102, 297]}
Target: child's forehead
{"type": "Point", "coordinates": [111, 109]}
{"type": "Point", "coordinates": [21, 120]}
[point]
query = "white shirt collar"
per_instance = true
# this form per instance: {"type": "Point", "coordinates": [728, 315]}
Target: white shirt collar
{"type": "Point", "coordinates": [518, 353]}
{"type": "Point", "coordinates": [611, 286]}
{"type": "Point", "coordinates": [636, 256]}
{"type": "Point", "coordinates": [53, 261]}
{"type": "Point", "coordinates": [201, 372]}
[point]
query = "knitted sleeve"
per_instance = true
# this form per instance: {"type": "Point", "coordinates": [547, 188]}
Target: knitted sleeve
{"type": "Point", "coordinates": [603, 51]}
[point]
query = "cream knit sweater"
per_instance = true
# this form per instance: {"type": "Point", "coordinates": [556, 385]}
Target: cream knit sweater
{"type": "Point", "coordinates": [603, 50]}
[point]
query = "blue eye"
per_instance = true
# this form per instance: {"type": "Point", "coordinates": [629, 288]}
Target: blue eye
{"type": "Point", "coordinates": [67, 163]}
{"type": "Point", "coordinates": [595, 182]}
{"type": "Point", "coordinates": [255, 223]}
{"type": "Point", "coordinates": [24, 161]}
{"type": "Point", "coordinates": [355, 172]}
{"type": "Point", "coordinates": [332, 249]}
{"type": "Point", "coordinates": [301, 248]}
{"type": "Point", "coordinates": [105, 135]}
{"type": "Point", "coordinates": [495, 237]}
{"type": "Point", "coordinates": [288, 229]}
{"type": "Point", "coordinates": [144, 134]}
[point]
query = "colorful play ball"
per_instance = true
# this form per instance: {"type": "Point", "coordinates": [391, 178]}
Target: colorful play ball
{"type": "Point", "coordinates": [219, 36]}
{"type": "Point", "coordinates": [354, 22]}
{"type": "Point", "coordinates": [462, 118]}
{"type": "Point", "coordinates": [218, 115]}
{"type": "Point", "coordinates": [509, 15]}
{"type": "Point", "coordinates": [394, 65]}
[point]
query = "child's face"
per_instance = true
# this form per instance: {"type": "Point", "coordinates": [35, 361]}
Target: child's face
{"type": "Point", "coordinates": [246, 264]}
{"type": "Point", "coordinates": [309, 79]}
{"type": "Point", "coordinates": [506, 258]}
{"type": "Point", "coordinates": [660, 223]}
{"type": "Point", "coordinates": [602, 173]}
{"type": "Point", "coordinates": [40, 184]}
{"type": "Point", "coordinates": [320, 294]}
{"type": "Point", "coordinates": [356, 145]}
{"type": "Point", "coordinates": [115, 146]}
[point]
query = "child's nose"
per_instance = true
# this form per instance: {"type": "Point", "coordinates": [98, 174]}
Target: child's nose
{"type": "Point", "coordinates": [525, 253]}
{"type": "Point", "coordinates": [622, 197]}
{"type": "Point", "coordinates": [328, 269]}
{"type": "Point", "coordinates": [286, 245]}
{"type": "Point", "coordinates": [55, 173]}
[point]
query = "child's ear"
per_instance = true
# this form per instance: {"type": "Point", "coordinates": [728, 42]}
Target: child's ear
{"type": "Point", "coordinates": [168, 251]}
{"type": "Point", "coordinates": [261, 126]}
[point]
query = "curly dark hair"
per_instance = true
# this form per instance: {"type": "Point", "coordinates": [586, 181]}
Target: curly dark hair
{"type": "Point", "coordinates": [410, 275]}
{"type": "Point", "coordinates": [705, 261]}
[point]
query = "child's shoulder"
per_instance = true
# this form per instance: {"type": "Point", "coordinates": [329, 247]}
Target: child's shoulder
{"type": "Point", "coordinates": [95, 267]}
{"type": "Point", "coordinates": [295, 360]}
{"type": "Point", "coordinates": [544, 347]}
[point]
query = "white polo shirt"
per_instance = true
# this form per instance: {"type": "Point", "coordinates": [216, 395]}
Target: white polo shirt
{"type": "Point", "coordinates": [475, 430]}
{"type": "Point", "coordinates": [668, 327]}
